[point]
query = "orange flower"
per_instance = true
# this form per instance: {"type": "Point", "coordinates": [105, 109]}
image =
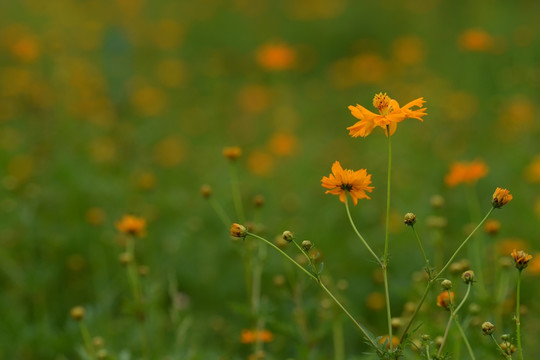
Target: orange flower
{"type": "Point", "coordinates": [342, 181]}
{"type": "Point", "coordinates": [390, 114]}
{"type": "Point", "coordinates": [131, 225]}
{"type": "Point", "coordinates": [501, 197]}
{"type": "Point", "coordinates": [384, 338]}
{"type": "Point", "coordinates": [444, 300]}
{"type": "Point", "coordinates": [232, 152]}
{"type": "Point", "coordinates": [521, 258]}
{"type": "Point", "coordinates": [466, 173]}
{"type": "Point", "coordinates": [276, 56]}
{"type": "Point", "coordinates": [249, 336]}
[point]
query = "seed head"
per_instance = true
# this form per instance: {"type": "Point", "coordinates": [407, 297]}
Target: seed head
{"type": "Point", "coordinates": [488, 328]}
{"type": "Point", "coordinates": [409, 219]}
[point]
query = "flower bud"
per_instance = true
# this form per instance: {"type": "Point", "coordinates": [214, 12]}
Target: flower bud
{"type": "Point", "coordinates": [501, 197]}
{"type": "Point", "coordinates": [98, 342]}
{"type": "Point", "coordinates": [409, 219]}
{"type": "Point", "coordinates": [125, 258]}
{"type": "Point", "coordinates": [468, 276]}
{"type": "Point", "coordinates": [77, 313]}
{"type": "Point", "coordinates": [488, 328]}
{"type": "Point", "coordinates": [437, 201]}
{"type": "Point", "coordinates": [238, 230]}
{"type": "Point", "coordinates": [521, 258]}
{"type": "Point", "coordinates": [508, 348]}
{"type": "Point", "coordinates": [206, 191]}
{"type": "Point", "coordinates": [426, 337]}
{"type": "Point", "coordinates": [258, 200]}
{"type": "Point", "coordinates": [288, 236]}
{"type": "Point", "coordinates": [306, 245]}
{"type": "Point", "coordinates": [232, 153]}
{"type": "Point", "coordinates": [446, 284]}
{"type": "Point", "coordinates": [396, 323]}
{"type": "Point", "coordinates": [505, 337]}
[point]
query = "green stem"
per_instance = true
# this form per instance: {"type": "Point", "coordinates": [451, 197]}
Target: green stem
{"type": "Point", "coordinates": [237, 198]}
{"type": "Point", "coordinates": [87, 340]}
{"type": "Point", "coordinates": [359, 235]}
{"type": "Point", "coordinates": [307, 257]}
{"type": "Point", "coordinates": [428, 269]}
{"type": "Point", "coordinates": [506, 356]}
{"type": "Point", "coordinates": [518, 321]}
{"type": "Point", "coordinates": [286, 256]}
{"type": "Point", "coordinates": [220, 212]}
{"type": "Point", "coordinates": [360, 327]}
{"type": "Point", "coordinates": [132, 270]}
{"type": "Point", "coordinates": [463, 243]}
{"type": "Point", "coordinates": [420, 303]}
{"type": "Point", "coordinates": [386, 240]}
{"type": "Point", "coordinates": [454, 315]}
{"type": "Point", "coordinates": [337, 331]}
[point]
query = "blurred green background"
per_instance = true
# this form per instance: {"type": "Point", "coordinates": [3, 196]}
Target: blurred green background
{"type": "Point", "coordinates": [124, 106]}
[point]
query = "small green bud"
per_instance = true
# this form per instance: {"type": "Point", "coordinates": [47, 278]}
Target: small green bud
{"type": "Point", "coordinates": [409, 219]}
{"type": "Point", "coordinates": [306, 245]}
{"type": "Point", "coordinates": [446, 284]}
{"type": "Point", "coordinates": [488, 328]}
{"type": "Point", "coordinates": [288, 236]}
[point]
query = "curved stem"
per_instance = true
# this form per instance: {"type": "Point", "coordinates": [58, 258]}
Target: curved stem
{"type": "Point", "coordinates": [454, 315]}
{"type": "Point", "coordinates": [359, 235]}
{"type": "Point", "coordinates": [518, 322]}
{"type": "Point", "coordinates": [360, 327]}
{"type": "Point", "coordinates": [463, 243]}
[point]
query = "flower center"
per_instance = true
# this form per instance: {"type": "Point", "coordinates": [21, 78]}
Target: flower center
{"type": "Point", "coordinates": [346, 187]}
{"type": "Point", "coordinates": [382, 102]}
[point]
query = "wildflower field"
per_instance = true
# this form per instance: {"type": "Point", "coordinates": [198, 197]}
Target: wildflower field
{"type": "Point", "coordinates": [323, 179]}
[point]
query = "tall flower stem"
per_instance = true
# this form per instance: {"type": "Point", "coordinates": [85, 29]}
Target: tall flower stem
{"type": "Point", "coordinates": [87, 340]}
{"type": "Point", "coordinates": [235, 188]}
{"type": "Point", "coordinates": [386, 239]}
{"type": "Point", "coordinates": [360, 235]}
{"type": "Point", "coordinates": [220, 212]}
{"type": "Point", "coordinates": [432, 281]}
{"type": "Point", "coordinates": [458, 325]}
{"type": "Point", "coordinates": [320, 283]}
{"type": "Point", "coordinates": [428, 268]}
{"type": "Point", "coordinates": [518, 322]}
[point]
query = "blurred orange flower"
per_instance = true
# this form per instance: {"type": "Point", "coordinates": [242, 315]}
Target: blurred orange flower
{"type": "Point", "coordinates": [466, 172]}
{"type": "Point", "coordinates": [521, 258]}
{"type": "Point", "coordinates": [342, 181]}
{"type": "Point", "coordinates": [501, 197]}
{"type": "Point", "coordinates": [276, 56]}
{"type": "Point", "coordinates": [283, 144]}
{"type": "Point", "coordinates": [390, 114]}
{"type": "Point", "coordinates": [131, 225]}
{"type": "Point", "coordinates": [251, 336]}
{"type": "Point", "coordinates": [476, 40]}
{"type": "Point", "coordinates": [384, 338]}
{"type": "Point", "coordinates": [445, 299]}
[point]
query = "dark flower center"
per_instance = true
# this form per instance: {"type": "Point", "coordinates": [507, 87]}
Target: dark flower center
{"type": "Point", "coordinates": [346, 187]}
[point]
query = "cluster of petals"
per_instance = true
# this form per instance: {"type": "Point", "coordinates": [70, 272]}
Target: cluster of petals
{"type": "Point", "coordinates": [390, 114]}
{"type": "Point", "coordinates": [251, 336]}
{"type": "Point", "coordinates": [343, 181]}
{"type": "Point", "coordinates": [131, 225]}
{"type": "Point", "coordinates": [466, 173]}
{"type": "Point", "coordinates": [501, 197]}
{"type": "Point", "coordinates": [445, 299]}
{"type": "Point", "coordinates": [521, 258]}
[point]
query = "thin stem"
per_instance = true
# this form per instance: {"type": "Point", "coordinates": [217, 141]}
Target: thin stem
{"type": "Point", "coordinates": [454, 315]}
{"type": "Point", "coordinates": [132, 270]}
{"type": "Point", "coordinates": [359, 235]}
{"type": "Point", "coordinates": [506, 356]}
{"type": "Point", "coordinates": [471, 353]}
{"type": "Point", "coordinates": [386, 238]}
{"type": "Point", "coordinates": [445, 335]}
{"type": "Point", "coordinates": [518, 322]}
{"type": "Point", "coordinates": [237, 198]}
{"type": "Point", "coordinates": [428, 269]}
{"type": "Point", "coordinates": [220, 212]}
{"type": "Point", "coordinates": [307, 257]}
{"type": "Point", "coordinates": [463, 243]}
{"type": "Point", "coordinates": [426, 292]}
{"type": "Point", "coordinates": [337, 332]}
{"type": "Point", "coordinates": [364, 332]}
{"type": "Point", "coordinates": [287, 256]}
{"type": "Point", "coordinates": [87, 340]}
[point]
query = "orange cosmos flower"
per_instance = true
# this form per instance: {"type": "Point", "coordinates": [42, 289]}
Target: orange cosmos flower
{"type": "Point", "coordinates": [521, 258]}
{"type": "Point", "coordinates": [501, 197]}
{"type": "Point", "coordinates": [466, 173]}
{"type": "Point", "coordinates": [131, 225]}
{"type": "Point", "coordinates": [342, 181]}
{"type": "Point", "coordinates": [444, 300]}
{"type": "Point", "coordinates": [276, 56]}
{"type": "Point", "coordinates": [385, 338]}
{"type": "Point", "coordinates": [390, 114]}
{"type": "Point", "coordinates": [249, 336]}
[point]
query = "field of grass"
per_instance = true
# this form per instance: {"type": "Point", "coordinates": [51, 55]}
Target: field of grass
{"type": "Point", "coordinates": [109, 108]}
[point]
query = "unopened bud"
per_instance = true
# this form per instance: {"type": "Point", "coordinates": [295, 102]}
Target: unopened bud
{"type": "Point", "coordinates": [468, 276]}
{"type": "Point", "coordinates": [232, 153]}
{"type": "Point", "coordinates": [206, 191]}
{"type": "Point", "coordinates": [488, 328]}
{"type": "Point", "coordinates": [258, 200]}
{"type": "Point", "coordinates": [77, 313]}
{"type": "Point", "coordinates": [446, 284]}
{"type": "Point", "coordinates": [238, 230]}
{"type": "Point", "coordinates": [437, 201]}
{"type": "Point", "coordinates": [306, 245]}
{"type": "Point", "coordinates": [288, 236]}
{"type": "Point", "coordinates": [409, 219]}
{"type": "Point", "coordinates": [505, 337]}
